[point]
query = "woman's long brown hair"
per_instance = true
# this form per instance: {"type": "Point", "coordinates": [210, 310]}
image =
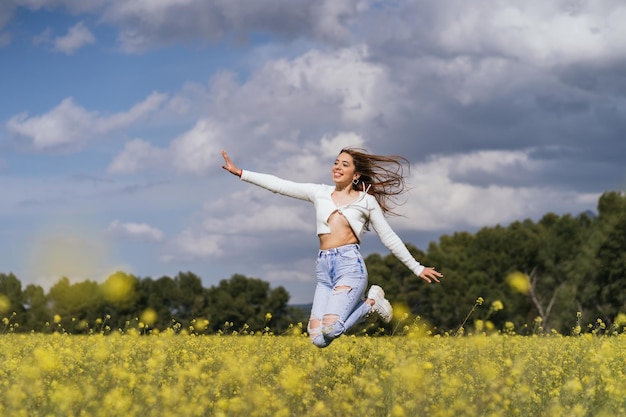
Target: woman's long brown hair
{"type": "Point", "coordinates": [383, 175]}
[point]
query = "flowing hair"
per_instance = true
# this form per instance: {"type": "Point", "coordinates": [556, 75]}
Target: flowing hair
{"type": "Point", "coordinates": [381, 176]}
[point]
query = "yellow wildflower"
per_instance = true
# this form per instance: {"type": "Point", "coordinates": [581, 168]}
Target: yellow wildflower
{"type": "Point", "coordinates": [149, 316]}
{"type": "Point", "coordinates": [5, 304]}
{"type": "Point", "coordinates": [519, 282]}
{"type": "Point", "coordinates": [497, 305]}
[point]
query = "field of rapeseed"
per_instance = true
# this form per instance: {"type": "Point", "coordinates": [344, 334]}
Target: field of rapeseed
{"type": "Point", "coordinates": [171, 374]}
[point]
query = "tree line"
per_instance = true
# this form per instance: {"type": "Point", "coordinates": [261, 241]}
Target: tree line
{"type": "Point", "coordinates": [573, 271]}
{"type": "Point", "coordinates": [125, 301]}
{"type": "Point", "coordinates": [559, 271]}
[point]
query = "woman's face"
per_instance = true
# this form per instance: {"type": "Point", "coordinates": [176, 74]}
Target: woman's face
{"type": "Point", "coordinates": [343, 169]}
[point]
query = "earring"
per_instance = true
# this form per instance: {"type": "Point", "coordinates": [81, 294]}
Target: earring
{"type": "Point", "coordinates": [355, 181]}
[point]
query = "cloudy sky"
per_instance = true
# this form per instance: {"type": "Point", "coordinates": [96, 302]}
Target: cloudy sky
{"type": "Point", "coordinates": [113, 114]}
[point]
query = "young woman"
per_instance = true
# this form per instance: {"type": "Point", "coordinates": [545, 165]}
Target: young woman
{"type": "Point", "coordinates": [364, 185]}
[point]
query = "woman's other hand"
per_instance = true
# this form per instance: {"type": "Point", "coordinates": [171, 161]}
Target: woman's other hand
{"type": "Point", "coordinates": [430, 274]}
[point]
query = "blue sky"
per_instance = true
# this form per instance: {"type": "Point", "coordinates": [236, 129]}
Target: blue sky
{"type": "Point", "coordinates": [114, 113]}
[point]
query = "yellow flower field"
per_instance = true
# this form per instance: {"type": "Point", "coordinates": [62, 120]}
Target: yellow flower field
{"type": "Point", "coordinates": [264, 375]}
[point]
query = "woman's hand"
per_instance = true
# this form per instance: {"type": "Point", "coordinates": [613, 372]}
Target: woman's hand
{"type": "Point", "coordinates": [429, 274]}
{"type": "Point", "coordinates": [229, 166]}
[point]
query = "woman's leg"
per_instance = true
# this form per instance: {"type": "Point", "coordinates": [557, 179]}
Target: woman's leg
{"type": "Point", "coordinates": [323, 290]}
{"type": "Point", "coordinates": [341, 304]}
{"type": "Point", "coordinates": [320, 300]}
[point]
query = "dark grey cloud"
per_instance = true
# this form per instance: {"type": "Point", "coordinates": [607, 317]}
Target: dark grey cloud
{"type": "Point", "coordinates": [479, 76]}
{"type": "Point", "coordinates": [145, 25]}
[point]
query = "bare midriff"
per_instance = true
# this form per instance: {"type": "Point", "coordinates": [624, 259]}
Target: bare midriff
{"type": "Point", "coordinates": [340, 233]}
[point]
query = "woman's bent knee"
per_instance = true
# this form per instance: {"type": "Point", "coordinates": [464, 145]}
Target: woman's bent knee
{"type": "Point", "coordinates": [324, 336]}
{"type": "Point", "coordinates": [320, 341]}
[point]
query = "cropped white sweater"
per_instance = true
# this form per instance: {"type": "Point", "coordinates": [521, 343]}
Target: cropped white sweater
{"type": "Point", "coordinates": [356, 213]}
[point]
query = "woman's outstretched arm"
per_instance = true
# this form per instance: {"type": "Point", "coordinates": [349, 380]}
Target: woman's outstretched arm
{"type": "Point", "coordinates": [301, 191]}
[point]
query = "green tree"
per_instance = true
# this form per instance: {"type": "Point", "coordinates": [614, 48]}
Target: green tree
{"type": "Point", "coordinates": [12, 299]}
{"type": "Point", "coordinates": [76, 303]}
{"type": "Point", "coordinates": [445, 305]}
{"type": "Point", "coordinates": [477, 265]}
{"type": "Point", "coordinates": [120, 294]}
{"type": "Point", "coordinates": [37, 310]}
{"type": "Point", "coordinates": [161, 295]}
{"type": "Point", "coordinates": [245, 301]}
{"type": "Point", "coordinates": [610, 256]}
{"type": "Point", "coordinates": [11, 287]}
{"type": "Point", "coordinates": [191, 298]}
{"type": "Point", "coordinates": [559, 269]}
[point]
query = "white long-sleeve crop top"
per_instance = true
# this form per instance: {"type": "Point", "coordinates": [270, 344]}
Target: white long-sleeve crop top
{"type": "Point", "coordinates": [356, 213]}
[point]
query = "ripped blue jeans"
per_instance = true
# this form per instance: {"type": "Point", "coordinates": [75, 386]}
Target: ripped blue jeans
{"type": "Point", "coordinates": [339, 302]}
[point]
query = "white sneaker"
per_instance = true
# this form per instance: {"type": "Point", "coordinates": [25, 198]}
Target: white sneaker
{"type": "Point", "coordinates": [381, 306]}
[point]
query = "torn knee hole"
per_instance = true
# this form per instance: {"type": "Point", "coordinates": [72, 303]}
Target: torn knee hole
{"type": "Point", "coordinates": [330, 319]}
{"type": "Point", "coordinates": [341, 288]}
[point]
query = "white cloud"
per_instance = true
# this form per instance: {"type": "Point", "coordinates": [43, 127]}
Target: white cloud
{"type": "Point", "coordinates": [139, 111]}
{"type": "Point", "coordinates": [193, 152]}
{"type": "Point", "coordinates": [137, 155]}
{"type": "Point", "coordinates": [341, 86]}
{"type": "Point", "coordinates": [286, 102]}
{"type": "Point", "coordinates": [135, 231]}
{"type": "Point", "coordinates": [440, 198]}
{"type": "Point", "coordinates": [555, 32]}
{"type": "Point", "coordinates": [238, 221]}
{"type": "Point", "coordinates": [331, 146]}
{"type": "Point", "coordinates": [261, 217]}
{"type": "Point", "coordinates": [339, 90]}
{"type": "Point", "coordinates": [541, 33]}
{"type": "Point", "coordinates": [189, 245]}
{"type": "Point", "coordinates": [66, 124]}
{"type": "Point", "coordinates": [299, 272]}
{"type": "Point", "coordinates": [76, 37]}
{"type": "Point", "coordinates": [70, 126]}
{"type": "Point", "coordinates": [489, 162]}
{"type": "Point", "coordinates": [197, 150]}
